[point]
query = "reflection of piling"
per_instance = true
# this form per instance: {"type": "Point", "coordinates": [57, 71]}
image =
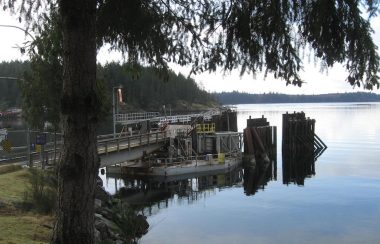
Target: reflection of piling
{"type": "Point", "coordinates": [300, 147]}
{"type": "Point", "coordinates": [257, 176]}
{"type": "Point", "coordinates": [297, 167]}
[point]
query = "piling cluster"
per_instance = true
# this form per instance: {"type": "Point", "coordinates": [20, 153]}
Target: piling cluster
{"type": "Point", "coordinates": [259, 140]}
{"type": "Point", "coordinates": [300, 149]}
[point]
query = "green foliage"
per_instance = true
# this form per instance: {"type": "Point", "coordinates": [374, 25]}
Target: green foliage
{"type": "Point", "coordinates": [41, 193]}
{"type": "Point", "coordinates": [157, 32]}
{"type": "Point", "coordinates": [269, 35]}
{"type": "Point", "coordinates": [42, 86]}
{"type": "Point", "coordinates": [247, 35]}
{"type": "Point", "coordinates": [9, 90]}
{"type": "Point", "coordinates": [250, 35]}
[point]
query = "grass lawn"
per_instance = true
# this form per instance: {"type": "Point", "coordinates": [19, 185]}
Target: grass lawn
{"type": "Point", "coordinates": [17, 226]}
{"type": "Point", "coordinates": [21, 228]}
{"type": "Point", "coordinates": [12, 185]}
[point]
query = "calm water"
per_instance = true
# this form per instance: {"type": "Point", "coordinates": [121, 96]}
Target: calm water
{"type": "Point", "coordinates": [340, 203]}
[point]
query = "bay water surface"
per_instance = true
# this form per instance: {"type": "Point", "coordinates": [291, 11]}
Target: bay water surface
{"type": "Point", "coordinates": [337, 203]}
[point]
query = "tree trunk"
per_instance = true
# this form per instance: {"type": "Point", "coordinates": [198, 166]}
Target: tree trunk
{"type": "Point", "coordinates": [79, 165]}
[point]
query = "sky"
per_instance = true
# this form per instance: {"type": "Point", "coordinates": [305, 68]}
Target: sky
{"type": "Point", "coordinates": [317, 82]}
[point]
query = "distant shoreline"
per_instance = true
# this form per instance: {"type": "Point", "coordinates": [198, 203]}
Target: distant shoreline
{"type": "Point", "coordinates": [234, 98]}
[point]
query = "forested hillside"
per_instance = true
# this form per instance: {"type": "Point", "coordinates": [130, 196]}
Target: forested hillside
{"type": "Point", "coordinates": [142, 89]}
{"type": "Point", "coordinates": [246, 98]}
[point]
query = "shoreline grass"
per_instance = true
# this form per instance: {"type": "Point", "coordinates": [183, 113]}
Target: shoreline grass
{"type": "Point", "coordinates": [17, 226]}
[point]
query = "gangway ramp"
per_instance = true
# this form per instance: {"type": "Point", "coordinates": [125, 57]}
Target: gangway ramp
{"type": "Point", "coordinates": [118, 150]}
{"type": "Point", "coordinates": [111, 150]}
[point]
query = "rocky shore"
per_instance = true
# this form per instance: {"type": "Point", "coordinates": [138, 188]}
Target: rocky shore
{"type": "Point", "coordinates": [115, 222]}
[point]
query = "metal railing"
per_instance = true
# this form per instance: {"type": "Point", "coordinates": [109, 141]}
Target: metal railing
{"type": "Point", "coordinates": [205, 128]}
{"type": "Point", "coordinates": [105, 143]}
{"type": "Point", "coordinates": [106, 146]}
{"type": "Point", "coordinates": [133, 117]}
{"type": "Point", "coordinates": [124, 118]}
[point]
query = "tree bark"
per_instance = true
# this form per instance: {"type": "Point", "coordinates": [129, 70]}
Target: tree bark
{"type": "Point", "coordinates": [78, 168]}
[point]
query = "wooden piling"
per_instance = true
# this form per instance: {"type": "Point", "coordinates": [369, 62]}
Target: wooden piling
{"type": "Point", "coordinates": [300, 147]}
{"type": "Point", "coordinates": [259, 139]}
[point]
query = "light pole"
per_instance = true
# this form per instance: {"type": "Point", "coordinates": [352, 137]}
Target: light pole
{"type": "Point", "coordinates": [114, 105]}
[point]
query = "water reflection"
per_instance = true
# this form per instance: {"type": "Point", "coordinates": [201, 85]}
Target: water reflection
{"type": "Point", "coordinates": [152, 194]}
{"type": "Point", "coordinates": [296, 167]}
{"type": "Point", "coordinates": [339, 205]}
{"type": "Point", "coordinates": [148, 194]}
{"type": "Point", "coordinates": [257, 176]}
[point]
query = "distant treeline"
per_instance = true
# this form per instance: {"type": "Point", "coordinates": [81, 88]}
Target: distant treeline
{"type": "Point", "coordinates": [246, 98]}
{"type": "Point", "coordinates": [143, 89]}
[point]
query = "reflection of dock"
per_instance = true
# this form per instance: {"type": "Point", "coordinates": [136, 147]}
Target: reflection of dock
{"type": "Point", "coordinates": [153, 193]}
{"type": "Point", "coordinates": [193, 165]}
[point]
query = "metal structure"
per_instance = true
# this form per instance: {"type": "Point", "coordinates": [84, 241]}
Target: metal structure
{"type": "Point", "coordinates": [111, 150]}
{"type": "Point", "coordinates": [132, 118]}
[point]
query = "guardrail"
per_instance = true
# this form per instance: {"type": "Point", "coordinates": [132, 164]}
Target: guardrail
{"type": "Point", "coordinates": [106, 144]}
{"type": "Point", "coordinates": [135, 117]}
{"type": "Point", "coordinates": [120, 118]}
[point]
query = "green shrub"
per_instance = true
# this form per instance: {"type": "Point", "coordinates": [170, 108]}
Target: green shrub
{"type": "Point", "coordinates": [41, 193]}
